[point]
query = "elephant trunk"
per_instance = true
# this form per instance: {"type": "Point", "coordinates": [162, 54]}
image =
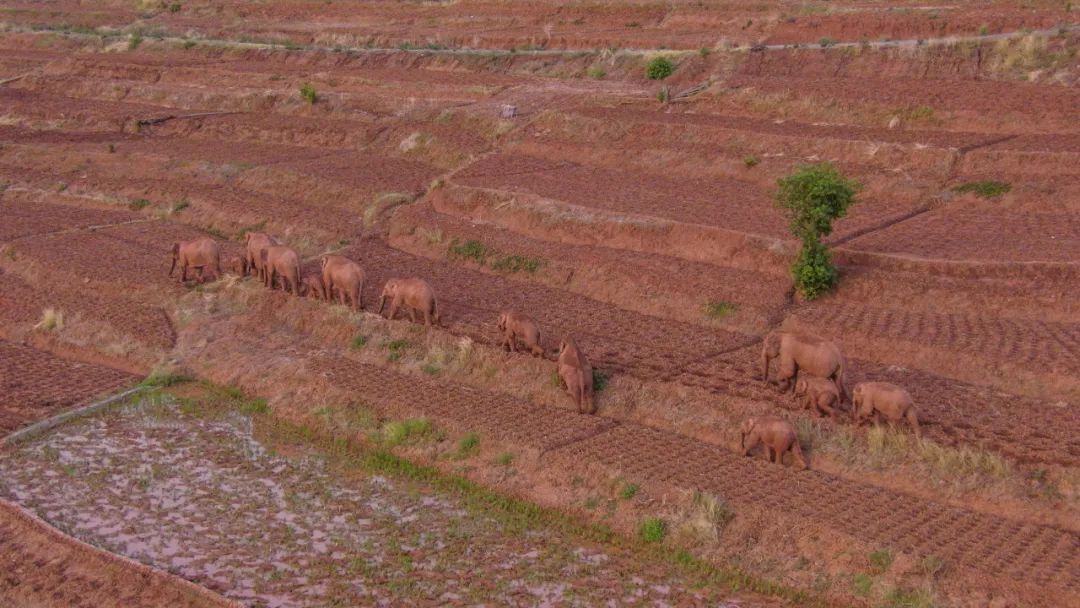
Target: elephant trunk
{"type": "Point", "coordinates": [765, 365]}
{"type": "Point", "coordinates": [382, 303]}
{"type": "Point", "coordinates": [175, 254]}
{"type": "Point", "coordinates": [742, 440]}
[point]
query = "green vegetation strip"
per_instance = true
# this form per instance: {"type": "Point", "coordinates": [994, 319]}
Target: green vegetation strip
{"type": "Point", "coordinates": [516, 514]}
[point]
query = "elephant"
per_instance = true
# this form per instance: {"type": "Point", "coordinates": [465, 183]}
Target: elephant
{"type": "Point", "coordinates": [254, 243]}
{"type": "Point", "coordinates": [805, 352]}
{"type": "Point", "coordinates": [577, 375]}
{"type": "Point", "coordinates": [278, 260]}
{"type": "Point", "coordinates": [776, 434]}
{"type": "Point", "coordinates": [515, 326]}
{"type": "Point", "coordinates": [346, 276]}
{"type": "Point", "coordinates": [313, 287]}
{"type": "Point", "coordinates": [238, 265]}
{"type": "Point", "coordinates": [415, 294]}
{"type": "Point", "coordinates": [818, 394]}
{"type": "Point", "coordinates": [885, 398]}
{"type": "Point", "coordinates": [201, 253]}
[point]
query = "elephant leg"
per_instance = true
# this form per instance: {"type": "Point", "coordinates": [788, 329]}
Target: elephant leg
{"type": "Point", "coordinates": [412, 314]}
{"type": "Point", "coordinates": [394, 304]}
{"type": "Point", "coordinates": [511, 341]}
{"type": "Point", "coordinates": [356, 299]}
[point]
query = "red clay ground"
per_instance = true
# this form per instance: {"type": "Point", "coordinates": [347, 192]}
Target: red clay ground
{"type": "Point", "coordinates": [637, 215]}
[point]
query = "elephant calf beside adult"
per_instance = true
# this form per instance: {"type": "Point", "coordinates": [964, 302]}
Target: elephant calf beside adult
{"type": "Point", "coordinates": [576, 373]}
{"type": "Point", "coordinates": [891, 401]}
{"type": "Point", "coordinates": [803, 352]}
{"type": "Point", "coordinates": [776, 434]}
{"type": "Point", "coordinates": [517, 326]}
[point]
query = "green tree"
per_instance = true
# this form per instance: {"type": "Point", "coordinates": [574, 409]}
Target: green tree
{"type": "Point", "coordinates": [812, 197]}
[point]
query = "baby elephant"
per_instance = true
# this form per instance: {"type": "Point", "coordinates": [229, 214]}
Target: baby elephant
{"type": "Point", "coordinates": [313, 287]}
{"type": "Point", "coordinates": [202, 253]}
{"type": "Point", "coordinates": [819, 395]}
{"type": "Point", "coordinates": [576, 374]}
{"type": "Point", "coordinates": [516, 326]}
{"type": "Point", "coordinates": [415, 294]}
{"type": "Point", "coordinates": [885, 398]}
{"type": "Point", "coordinates": [778, 436]}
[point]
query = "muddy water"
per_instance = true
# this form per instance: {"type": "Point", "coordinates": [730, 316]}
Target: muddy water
{"type": "Point", "coordinates": [199, 496]}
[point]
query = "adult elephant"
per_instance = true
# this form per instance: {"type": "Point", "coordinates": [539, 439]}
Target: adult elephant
{"type": "Point", "coordinates": [255, 242]}
{"type": "Point", "coordinates": [345, 275]}
{"type": "Point", "coordinates": [280, 261]}
{"type": "Point", "coordinates": [798, 351]}
{"type": "Point", "coordinates": [415, 294]}
{"type": "Point", "coordinates": [199, 254]}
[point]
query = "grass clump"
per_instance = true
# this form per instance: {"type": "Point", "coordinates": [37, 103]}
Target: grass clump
{"type": "Point", "coordinates": [468, 445]}
{"type": "Point", "coordinates": [134, 41]}
{"type": "Point", "coordinates": [517, 263]}
{"type": "Point", "coordinates": [652, 530]}
{"type": "Point", "coordinates": [165, 378]}
{"type": "Point", "coordinates": [139, 203]}
{"type": "Point", "coordinates": [862, 584]}
{"type": "Point", "coordinates": [629, 491]}
{"type": "Point", "coordinates": [750, 161]}
{"type": "Point", "coordinates": [308, 93]}
{"type": "Point", "coordinates": [595, 72]}
{"type": "Point", "coordinates": [469, 250]}
{"type": "Point", "coordinates": [505, 459]}
{"type": "Point", "coordinates": [397, 432]}
{"type": "Point", "coordinates": [659, 68]}
{"type": "Point", "coordinates": [881, 560]}
{"type": "Point", "coordinates": [983, 189]}
{"type": "Point", "coordinates": [175, 7]}
{"type": "Point", "coordinates": [903, 597]}
{"type": "Point", "coordinates": [719, 310]}
{"type": "Point", "coordinates": [825, 42]}
{"type": "Point", "coordinates": [358, 342]}
{"type": "Point", "coordinates": [52, 319]}
{"type": "Point", "coordinates": [812, 198]}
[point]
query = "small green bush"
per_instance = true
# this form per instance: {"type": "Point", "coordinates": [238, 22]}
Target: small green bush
{"type": "Point", "coordinates": [719, 310]}
{"type": "Point", "coordinates": [659, 68]}
{"type": "Point", "coordinates": [134, 41]}
{"type": "Point", "coordinates": [595, 72]}
{"type": "Point", "coordinates": [599, 380]}
{"type": "Point", "coordinates": [901, 597]}
{"type": "Point", "coordinates": [826, 42]}
{"type": "Point", "coordinates": [517, 263]}
{"type": "Point", "coordinates": [174, 7]}
{"type": "Point", "coordinates": [468, 445]}
{"type": "Point", "coordinates": [984, 189]}
{"type": "Point", "coordinates": [358, 342]}
{"type": "Point", "coordinates": [398, 432]}
{"type": "Point", "coordinates": [653, 530]}
{"type": "Point", "coordinates": [750, 161]}
{"type": "Point", "coordinates": [430, 369]}
{"type": "Point", "coordinates": [629, 491]}
{"type": "Point", "coordinates": [505, 459]}
{"type": "Point", "coordinates": [813, 271]}
{"type": "Point", "coordinates": [139, 203]}
{"type": "Point", "coordinates": [308, 93]}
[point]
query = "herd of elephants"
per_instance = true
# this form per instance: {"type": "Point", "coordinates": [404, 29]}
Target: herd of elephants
{"type": "Point", "coordinates": [816, 366]}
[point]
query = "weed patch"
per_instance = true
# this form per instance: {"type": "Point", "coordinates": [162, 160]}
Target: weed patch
{"type": "Point", "coordinates": [659, 68]}
{"type": "Point", "coordinates": [476, 251]}
{"type": "Point", "coordinates": [652, 530]}
{"type": "Point", "coordinates": [308, 93]}
{"type": "Point", "coordinates": [628, 491]}
{"type": "Point", "coordinates": [984, 189]}
{"type": "Point", "coordinates": [139, 203]}
{"type": "Point", "coordinates": [719, 310]}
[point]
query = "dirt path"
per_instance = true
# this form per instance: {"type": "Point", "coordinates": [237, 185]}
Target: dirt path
{"type": "Point", "coordinates": [197, 495]}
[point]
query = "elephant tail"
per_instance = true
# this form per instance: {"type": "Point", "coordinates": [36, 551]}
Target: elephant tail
{"type": "Point", "coordinates": [175, 255]}
{"type": "Point", "coordinates": [913, 420]}
{"type": "Point", "coordinates": [435, 314]}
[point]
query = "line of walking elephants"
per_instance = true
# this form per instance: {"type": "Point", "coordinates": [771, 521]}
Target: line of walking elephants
{"type": "Point", "coordinates": [812, 368]}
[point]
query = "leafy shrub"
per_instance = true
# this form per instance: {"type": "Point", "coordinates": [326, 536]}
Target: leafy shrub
{"type": "Point", "coordinates": [812, 197]}
{"type": "Point", "coordinates": [862, 584]}
{"type": "Point", "coordinates": [595, 72]}
{"type": "Point", "coordinates": [984, 189]}
{"type": "Point", "coordinates": [468, 445]}
{"type": "Point", "coordinates": [653, 530]}
{"type": "Point", "coordinates": [659, 68]}
{"type": "Point", "coordinates": [517, 263]}
{"type": "Point", "coordinates": [629, 491]}
{"type": "Point", "coordinates": [599, 380]}
{"type": "Point", "coordinates": [399, 431]}
{"type": "Point", "coordinates": [134, 41]}
{"type": "Point", "coordinates": [174, 7]}
{"type": "Point", "coordinates": [308, 93]}
{"type": "Point", "coordinates": [813, 271]}
{"type": "Point", "coordinates": [358, 342]}
{"type": "Point", "coordinates": [139, 203]}
{"type": "Point", "coordinates": [750, 161]}
{"type": "Point", "coordinates": [825, 41]}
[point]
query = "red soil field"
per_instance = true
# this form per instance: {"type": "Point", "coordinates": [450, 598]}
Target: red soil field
{"type": "Point", "coordinates": [35, 385]}
{"type": "Point", "coordinates": [43, 568]}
